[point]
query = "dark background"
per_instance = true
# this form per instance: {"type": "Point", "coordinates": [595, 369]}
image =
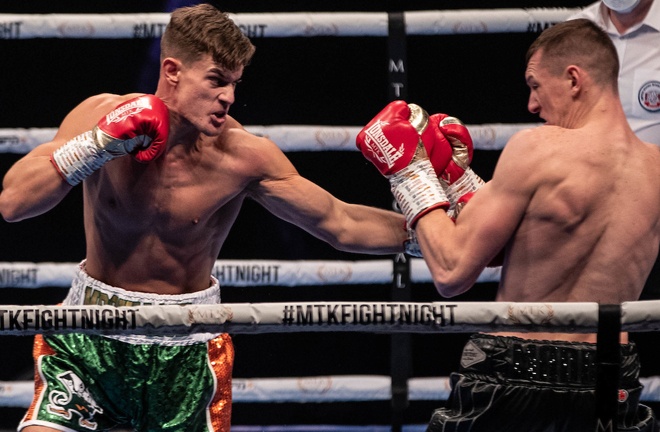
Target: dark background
{"type": "Point", "coordinates": [321, 80]}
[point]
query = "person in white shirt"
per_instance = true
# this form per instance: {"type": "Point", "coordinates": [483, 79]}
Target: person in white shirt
{"type": "Point", "coordinates": [634, 27]}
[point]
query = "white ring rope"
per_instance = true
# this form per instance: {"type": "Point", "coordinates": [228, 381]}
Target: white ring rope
{"type": "Point", "coordinates": [320, 316]}
{"type": "Point", "coordinates": [325, 316]}
{"type": "Point", "coordinates": [299, 24]}
{"type": "Point", "coordinates": [370, 317]}
{"type": "Point", "coordinates": [314, 389]}
{"type": "Point", "coordinates": [288, 137]}
{"type": "Point", "coordinates": [246, 273]}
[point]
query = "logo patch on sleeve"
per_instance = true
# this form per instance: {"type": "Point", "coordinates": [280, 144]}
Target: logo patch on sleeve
{"type": "Point", "coordinates": [649, 96]}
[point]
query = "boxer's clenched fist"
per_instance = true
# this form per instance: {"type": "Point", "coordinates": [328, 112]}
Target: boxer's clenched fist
{"type": "Point", "coordinates": [448, 135]}
{"type": "Point", "coordinates": [139, 126]}
{"type": "Point", "coordinates": [392, 142]}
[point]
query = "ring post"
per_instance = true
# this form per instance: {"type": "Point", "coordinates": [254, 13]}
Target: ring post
{"type": "Point", "coordinates": [608, 358]}
{"type": "Point", "coordinates": [400, 349]}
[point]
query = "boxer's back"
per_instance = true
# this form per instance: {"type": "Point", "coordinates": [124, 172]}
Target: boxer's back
{"type": "Point", "coordinates": [591, 230]}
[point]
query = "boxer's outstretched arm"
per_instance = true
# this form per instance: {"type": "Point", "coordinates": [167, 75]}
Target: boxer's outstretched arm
{"type": "Point", "coordinates": [345, 226]}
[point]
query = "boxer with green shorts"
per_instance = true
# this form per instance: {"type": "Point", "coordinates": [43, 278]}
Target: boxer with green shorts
{"type": "Point", "coordinates": [165, 383]}
{"type": "Point", "coordinates": [163, 177]}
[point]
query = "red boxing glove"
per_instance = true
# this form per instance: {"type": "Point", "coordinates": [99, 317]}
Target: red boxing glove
{"type": "Point", "coordinates": [437, 145]}
{"type": "Point", "coordinates": [139, 126]}
{"type": "Point", "coordinates": [391, 141]}
{"type": "Point", "coordinates": [449, 146]}
{"type": "Point", "coordinates": [448, 138]}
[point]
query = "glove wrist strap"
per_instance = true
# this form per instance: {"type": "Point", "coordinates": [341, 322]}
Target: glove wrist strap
{"type": "Point", "coordinates": [79, 158]}
{"type": "Point", "coordinates": [466, 184]}
{"type": "Point", "coordinates": [417, 190]}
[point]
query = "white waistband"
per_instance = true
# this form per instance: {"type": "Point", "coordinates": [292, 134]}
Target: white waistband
{"type": "Point", "coordinates": [87, 290]}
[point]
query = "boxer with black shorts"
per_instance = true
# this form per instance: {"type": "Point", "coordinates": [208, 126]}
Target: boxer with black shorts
{"type": "Point", "coordinates": [574, 209]}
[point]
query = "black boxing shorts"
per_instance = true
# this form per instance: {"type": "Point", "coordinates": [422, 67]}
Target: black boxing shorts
{"type": "Point", "coordinates": [508, 384]}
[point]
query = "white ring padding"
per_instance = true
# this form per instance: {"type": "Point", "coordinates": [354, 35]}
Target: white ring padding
{"type": "Point", "coordinates": [296, 24]}
{"type": "Point", "coordinates": [370, 317]}
{"type": "Point", "coordinates": [314, 389]}
{"type": "Point", "coordinates": [247, 273]}
{"type": "Point", "coordinates": [289, 138]}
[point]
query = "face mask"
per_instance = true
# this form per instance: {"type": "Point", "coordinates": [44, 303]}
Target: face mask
{"type": "Point", "coordinates": [621, 6]}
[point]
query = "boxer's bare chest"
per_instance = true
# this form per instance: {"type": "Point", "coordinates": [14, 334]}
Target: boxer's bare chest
{"type": "Point", "coordinates": [182, 192]}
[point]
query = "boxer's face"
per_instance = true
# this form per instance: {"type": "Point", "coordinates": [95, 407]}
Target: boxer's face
{"type": "Point", "coordinates": [205, 91]}
{"type": "Point", "coordinates": [548, 91]}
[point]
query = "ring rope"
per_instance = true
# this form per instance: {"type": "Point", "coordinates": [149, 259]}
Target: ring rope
{"type": "Point", "coordinates": [289, 138]}
{"type": "Point", "coordinates": [288, 317]}
{"type": "Point", "coordinates": [346, 24]}
{"type": "Point", "coordinates": [251, 273]}
{"type": "Point", "coordinates": [314, 389]}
